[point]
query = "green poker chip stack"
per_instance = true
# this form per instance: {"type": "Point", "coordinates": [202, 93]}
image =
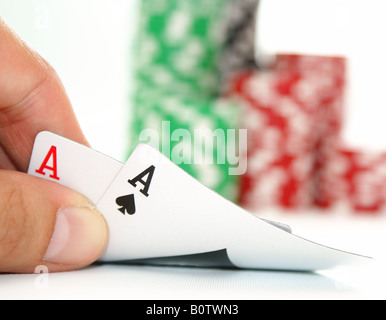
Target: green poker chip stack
{"type": "Point", "coordinates": [176, 97]}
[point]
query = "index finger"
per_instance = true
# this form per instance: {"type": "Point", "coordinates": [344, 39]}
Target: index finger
{"type": "Point", "coordinates": [32, 99]}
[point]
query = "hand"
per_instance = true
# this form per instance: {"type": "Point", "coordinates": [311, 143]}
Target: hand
{"type": "Point", "coordinates": [41, 223]}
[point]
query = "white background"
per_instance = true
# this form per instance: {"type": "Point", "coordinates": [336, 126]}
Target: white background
{"type": "Point", "coordinates": [88, 42]}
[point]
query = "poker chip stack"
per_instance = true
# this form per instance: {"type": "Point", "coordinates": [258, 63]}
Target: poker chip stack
{"type": "Point", "coordinates": [293, 114]}
{"type": "Point", "coordinates": [196, 72]}
{"type": "Point", "coordinates": [177, 82]}
{"type": "Point", "coordinates": [342, 177]}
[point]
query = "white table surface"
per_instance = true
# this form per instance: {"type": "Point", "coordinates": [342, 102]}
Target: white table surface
{"type": "Point", "coordinates": [360, 235]}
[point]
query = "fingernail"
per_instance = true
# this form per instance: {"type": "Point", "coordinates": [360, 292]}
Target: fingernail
{"type": "Point", "coordinates": [79, 237]}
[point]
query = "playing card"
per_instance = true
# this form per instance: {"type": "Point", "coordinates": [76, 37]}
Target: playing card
{"type": "Point", "coordinates": [154, 209]}
{"type": "Point", "coordinates": [73, 165]}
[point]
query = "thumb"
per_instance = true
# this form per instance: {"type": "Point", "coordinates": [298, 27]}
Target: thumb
{"type": "Point", "coordinates": [44, 223]}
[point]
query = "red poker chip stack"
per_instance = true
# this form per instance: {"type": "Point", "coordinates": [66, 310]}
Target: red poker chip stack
{"type": "Point", "coordinates": [294, 116]}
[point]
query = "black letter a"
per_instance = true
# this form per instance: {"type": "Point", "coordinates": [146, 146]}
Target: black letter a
{"type": "Point", "coordinates": [148, 172]}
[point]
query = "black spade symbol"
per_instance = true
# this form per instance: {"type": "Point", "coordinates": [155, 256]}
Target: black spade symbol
{"type": "Point", "coordinates": [126, 203]}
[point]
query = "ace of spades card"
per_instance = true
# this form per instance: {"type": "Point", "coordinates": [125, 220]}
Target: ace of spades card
{"type": "Point", "coordinates": [156, 210]}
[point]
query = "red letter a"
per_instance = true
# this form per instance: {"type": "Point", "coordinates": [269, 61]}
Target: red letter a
{"type": "Point", "coordinates": [44, 165]}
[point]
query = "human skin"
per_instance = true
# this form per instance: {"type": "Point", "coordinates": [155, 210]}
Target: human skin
{"type": "Point", "coordinates": [41, 222]}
